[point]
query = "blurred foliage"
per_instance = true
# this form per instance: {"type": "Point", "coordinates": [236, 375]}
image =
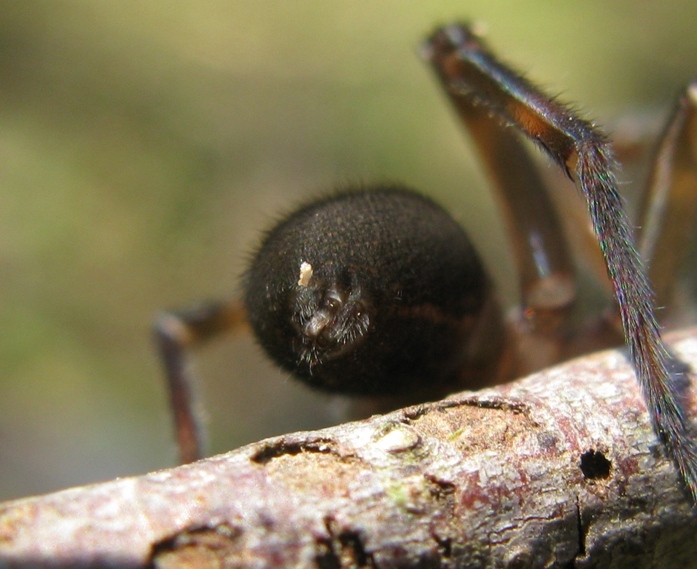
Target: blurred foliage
{"type": "Point", "coordinates": [144, 144]}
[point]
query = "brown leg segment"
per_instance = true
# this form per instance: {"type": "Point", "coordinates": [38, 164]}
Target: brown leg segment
{"type": "Point", "coordinates": [175, 333]}
{"type": "Point", "coordinates": [471, 73]}
{"type": "Point", "coordinates": [544, 266]}
{"type": "Point", "coordinates": [540, 250]}
{"type": "Point", "coordinates": [669, 204]}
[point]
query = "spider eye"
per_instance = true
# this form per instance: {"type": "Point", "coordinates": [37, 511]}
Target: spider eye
{"type": "Point", "coordinates": [333, 300]}
{"type": "Point", "coordinates": [331, 327]}
{"type": "Point", "coordinates": [315, 320]}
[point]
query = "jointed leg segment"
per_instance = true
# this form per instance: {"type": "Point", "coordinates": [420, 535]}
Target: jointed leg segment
{"type": "Point", "coordinates": [175, 333]}
{"type": "Point", "coordinates": [670, 199]}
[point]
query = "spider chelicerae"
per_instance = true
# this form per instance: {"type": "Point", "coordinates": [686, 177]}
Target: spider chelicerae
{"type": "Point", "coordinates": [377, 292]}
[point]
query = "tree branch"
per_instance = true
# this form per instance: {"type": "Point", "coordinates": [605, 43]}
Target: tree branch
{"type": "Point", "coordinates": [558, 469]}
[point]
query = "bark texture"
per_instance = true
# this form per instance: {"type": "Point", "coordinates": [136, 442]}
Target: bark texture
{"type": "Point", "coordinates": [560, 469]}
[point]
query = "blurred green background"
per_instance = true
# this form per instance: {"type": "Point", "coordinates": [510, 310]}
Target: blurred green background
{"type": "Point", "coordinates": [143, 145]}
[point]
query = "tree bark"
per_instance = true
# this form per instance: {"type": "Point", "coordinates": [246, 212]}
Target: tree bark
{"type": "Point", "coordinates": [560, 469]}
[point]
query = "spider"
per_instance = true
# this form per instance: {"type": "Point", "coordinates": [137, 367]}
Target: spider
{"type": "Point", "coordinates": [377, 292]}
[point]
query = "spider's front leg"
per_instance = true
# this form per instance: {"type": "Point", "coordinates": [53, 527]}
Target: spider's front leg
{"type": "Point", "coordinates": [479, 85]}
{"type": "Point", "coordinates": [541, 254]}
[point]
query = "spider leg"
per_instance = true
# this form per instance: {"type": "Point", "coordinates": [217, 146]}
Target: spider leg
{"type": "Point", "coordinates": [669, 202]}
{"type": "Point", "coordinates": [540, 250]}
{"type": "Point", "coordinates": [470, 72]}
{"type": "Point", "coordinates": [175, 333]}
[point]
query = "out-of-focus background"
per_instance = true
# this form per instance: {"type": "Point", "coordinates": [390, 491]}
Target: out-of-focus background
{"type": "Point", "coordinates": [143, 145]}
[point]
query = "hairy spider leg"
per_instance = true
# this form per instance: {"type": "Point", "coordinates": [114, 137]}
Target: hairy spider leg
{"type": "Point", "coordinates": [470, 72]}
{"type": "Point", "coordinates": [175, 333]}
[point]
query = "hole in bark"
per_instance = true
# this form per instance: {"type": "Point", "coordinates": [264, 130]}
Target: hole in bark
{"type": "Point", "coordinates": [281, 448]}
{"type": "Point", "coordinates": [594, 465]}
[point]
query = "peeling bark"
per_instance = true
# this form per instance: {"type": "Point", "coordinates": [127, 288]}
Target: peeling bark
{"type": "Point", "coordinates": [560, 469]}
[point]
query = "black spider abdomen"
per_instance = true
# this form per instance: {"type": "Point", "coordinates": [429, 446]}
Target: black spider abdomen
{"type": "Point", "coordinates": [369, 291]}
